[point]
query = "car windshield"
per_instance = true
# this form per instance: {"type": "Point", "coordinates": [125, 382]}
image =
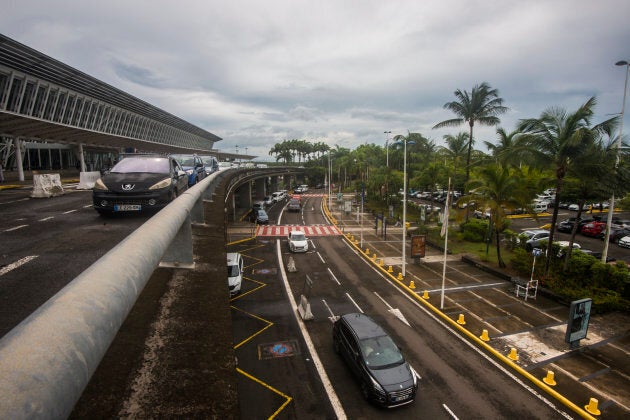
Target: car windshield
{"type": "Point", "coordinates": [298, 237]}
{"type": "Point", "coordinates": [186, 161]}
{"type": "Point", "coordinates": [232, 270]}
{"type": "Point", "coordinates": [262, 213]}
{"type": "Point", "coordinates": [381, 352]}
{"type": "Point", "coordinates": [152, 165]}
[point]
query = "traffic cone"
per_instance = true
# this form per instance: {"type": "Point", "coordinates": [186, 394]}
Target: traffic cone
{"type": "Point", "coordinates": [549, 379]}
{"type": "Point", "coordinates": [460, 320]}
{"type": "Point", "coordinates": [367, 251]}
{"type": "Point", "coordinates": [425, 295]}
{"type": "Point", "coordinates": [412, 285]}
{"type": "Point", "coordinates": [591, 407]}
{"type": "Point", "coordinates": [390, 269]}
{"type": "Point", "coordinates": [513, 354]}
{"type": "Point", "coordinates": [400, 276]}
{"type": "Point", "coordinates": [484, 336]}
{"type": "Point", "coordinates": [381, 263]}
{"type": "Point", "coordinates": [373, 257]}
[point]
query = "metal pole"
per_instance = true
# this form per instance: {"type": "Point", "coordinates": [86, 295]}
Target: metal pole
{"type": "Point", "coordinates": [404, 230]}
{"type": "Point", "coordinates": [611, 206]}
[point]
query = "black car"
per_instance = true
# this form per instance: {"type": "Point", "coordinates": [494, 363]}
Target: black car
{"type": "Point", "coordinates": [385, 377]}
{"type": "Point", "coordinates": [137, 183]}
{"type": "Point", "coordinates": [616, 234]}
{"type": "Point", "coordinates": [259, 216]}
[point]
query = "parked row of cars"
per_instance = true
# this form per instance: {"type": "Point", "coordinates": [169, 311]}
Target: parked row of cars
{"type": "Point", "coordinates": [148, 181]}
{"type": "Point", "coordinates": [596, 227]}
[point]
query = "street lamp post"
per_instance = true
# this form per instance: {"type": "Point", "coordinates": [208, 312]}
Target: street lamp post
{"type": "Point", "coordinates": [387, 133]}
{"type": "Point", "coordinates": [611, 206]}
{"type": "Point", "coordinates": [404, 221]}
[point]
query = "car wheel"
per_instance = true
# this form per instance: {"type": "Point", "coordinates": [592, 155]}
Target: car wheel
{"type": "Point", "coordinates": [365, 391]}
{"type": "Point", "coordinates": [104, 213]}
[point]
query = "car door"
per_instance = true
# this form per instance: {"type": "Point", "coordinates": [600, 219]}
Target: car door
{"type": "Point", "coordinates": [179, 177]}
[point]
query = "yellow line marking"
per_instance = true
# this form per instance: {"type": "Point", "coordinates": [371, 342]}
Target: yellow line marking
{"type": "Point", "coordinates": [240, 295]}
{"type": "Point", "coordinates": [269, 324]}
{"type": "Point", "coordinates": [269, 387]}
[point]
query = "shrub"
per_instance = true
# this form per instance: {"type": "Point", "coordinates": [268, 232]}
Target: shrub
{"type": "Point", "coordinates": [474, 230]}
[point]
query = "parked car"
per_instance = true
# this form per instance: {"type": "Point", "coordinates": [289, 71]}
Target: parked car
{"type": "Point", "coordinates": [624, 242]}
{"type": "Point", "coordinates": [533, 238]}
{"type": "Point", "coordinates": [268, 201]}
{"type": "Point", "coordinates": [259, 216]}
{"type": "Point", "coordinates": [593, 229]}
{"type": "Point", "coordinates": [294, 205]}
{"type": "Point", "coordinates": [566, 226]}
{"type": "Point", "coordinates": [616, 234]}
{"type": "Point", "coordinates": [585, 221]}
{"type": "Point", "coordinates": [576, 207]}
{"type": "Point", "coordinates": [234, 272]}
{"type": "Point", "coordinates": [258, 205]}
{"type": "Point", "coordinates": [137, 183]}
{"type": "Point", "coordinates": [210, 163]}
{"type": "Point", "coordinates": [384, 376]}
{"type": "Point", "coordinates": [193, 165]}
{"type": "Point", "coordinates": [297, 241]}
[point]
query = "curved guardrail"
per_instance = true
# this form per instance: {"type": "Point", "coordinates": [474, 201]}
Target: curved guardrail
{"type": "Point", "coordinates": [48, 359]}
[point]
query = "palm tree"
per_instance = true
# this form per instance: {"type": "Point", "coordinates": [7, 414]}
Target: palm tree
{"type": "Point", "coordinates": [455, 150]}
{"type": "Point", "coordinates": [496, 187]}
{"type": "Point", "coordinates": [508, 148]}
{"type": "Point", "coordinates": [482, 105]}
{"type": "Point", "coordinates": [558, 139]}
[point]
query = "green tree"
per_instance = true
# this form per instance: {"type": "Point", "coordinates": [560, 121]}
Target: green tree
{"type": "Point", "coordinates": [497, 188]}
{"type": "Point", "coordinates": [456, 150]}
{"type": "Point", "coordinates": [482, 105]}
{"type": "Point", "coordinates": [558, 140]}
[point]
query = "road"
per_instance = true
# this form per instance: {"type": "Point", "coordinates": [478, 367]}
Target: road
{"type": "Point", "coordinates": [457, 379]}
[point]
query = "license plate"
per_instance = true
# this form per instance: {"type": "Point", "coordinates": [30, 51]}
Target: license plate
{"type": "Point", "coordinates": [127, 207]}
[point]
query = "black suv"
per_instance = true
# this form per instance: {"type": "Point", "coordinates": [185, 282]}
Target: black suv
{"type": "Point", "coordinates": [139, 182]}
{"type": "Point", "coordinates": [385, 377]}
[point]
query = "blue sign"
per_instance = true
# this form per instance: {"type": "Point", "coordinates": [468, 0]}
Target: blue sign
{"type": "Point", "coordinates": [537, 252]}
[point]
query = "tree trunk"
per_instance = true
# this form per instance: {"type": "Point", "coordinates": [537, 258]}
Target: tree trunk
{"type": "Point", "coordinates": [470, 142]}
{"type": "Point", "coordinates": [499, 259]}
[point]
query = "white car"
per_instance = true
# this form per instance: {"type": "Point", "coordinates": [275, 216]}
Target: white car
{"type": "Point", "coordinates": [234, 272]}
{"type": "Point", "coordinates": [297, 241]}
{"type": "Point", "coordinates": [624, 242]}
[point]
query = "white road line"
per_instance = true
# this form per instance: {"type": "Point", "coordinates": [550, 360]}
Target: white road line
{"type": "Point", "coordinates": [386, 304]}
{"type": "Point", "coordinates": [15, 201]}
{"type": "Point", "coordinates": [46, 218]}
{"type": "Point", "coordinates": [14, 228]}
{"type": "Point", "coordinates": [332, 395]}
{"type": "Point", "coordinates": [332, 316]}
{"type": "Point", "coordinates": [354, 303]}
{"type": "Point", "coordinates": [476, 286]}
{"type": "Point", "coordinates": [4, 270]}
{"type": "Point", "coordinates": [333, 276]}
{"type": "Point", "coordinates": [88, 206]}
{"type": "Point", "coordinates": [321, 258]}
{"type": "Point", "coordinates": [69, 211]}
{"type": "Point", "coordinates": [448, 410]}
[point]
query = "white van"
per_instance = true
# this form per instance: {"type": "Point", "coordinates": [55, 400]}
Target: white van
{"type": "Point", "coordinates": [539, 207]}
{"type": "Point", "coordinates": [235, 272]}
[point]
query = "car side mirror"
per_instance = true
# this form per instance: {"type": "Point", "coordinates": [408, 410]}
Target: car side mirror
{"type": "Point", "coordinates": [181, 173]}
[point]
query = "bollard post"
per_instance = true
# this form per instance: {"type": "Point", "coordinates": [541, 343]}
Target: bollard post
{"type": "Point", "coordinates": [460, 320]}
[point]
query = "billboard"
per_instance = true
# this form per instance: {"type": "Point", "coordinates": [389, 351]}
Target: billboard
{"type": "Point", "coordinates": [418, 245]}
{"type": "Point", "coordinates": [579, 315]}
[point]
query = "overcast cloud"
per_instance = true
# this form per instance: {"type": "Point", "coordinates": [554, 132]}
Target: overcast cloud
{"type": "Point", "coordinates": [341, 72]}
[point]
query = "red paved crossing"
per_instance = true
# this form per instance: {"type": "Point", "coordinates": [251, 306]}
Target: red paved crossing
{"type": "Point", "coordinates": [315, 230]}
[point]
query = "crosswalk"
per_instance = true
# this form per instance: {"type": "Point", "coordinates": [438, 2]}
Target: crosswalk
{"type": "Point", "coordinates": [314, 230]}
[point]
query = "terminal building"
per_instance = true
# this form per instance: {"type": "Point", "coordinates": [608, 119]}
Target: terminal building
{"type": "Point", "coordinates": [55, 117]}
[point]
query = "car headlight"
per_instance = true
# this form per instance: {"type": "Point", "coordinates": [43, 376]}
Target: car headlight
{"type": "Point", "coordinates": [415, 376]}
{"type": "Point", "coordinates": [100, 185]}
{"type": "Point", "coordinates": [166, 182]}
{"type": "Point", "coordinates": [377, 387]}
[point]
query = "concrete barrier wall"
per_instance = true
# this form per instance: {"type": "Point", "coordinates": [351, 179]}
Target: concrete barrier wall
{"type": "Point", "coordinates": [87, 180]}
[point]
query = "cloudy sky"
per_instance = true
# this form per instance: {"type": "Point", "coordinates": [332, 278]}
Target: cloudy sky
{"type": "Point", "coordinates": [256, 73]}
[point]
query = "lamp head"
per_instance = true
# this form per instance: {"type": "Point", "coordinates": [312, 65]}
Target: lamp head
{"type": "Point", "coordinates": [621, 63]}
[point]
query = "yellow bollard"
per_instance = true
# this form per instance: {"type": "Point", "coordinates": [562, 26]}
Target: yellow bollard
{"type": "Point", "coordinates": [484, 336]}
{"type": "Point", "coordinates": [549, 379]}
{"type": "Point", "coordinates": [425, 295]}
{"type": "Point", "coordinates": [460, 320]}
{"type": "Point", "coordinates": [381, 263]}
{"type": "Point", "coordinates": [390, 269]}
{"type": "Point", "coordinates": [591, 407]}
{"type": "Point", "coordinates": [367, 251]}
{"type": "Point", "coordinates": [412, 285]}
{"type": "Point", "coordinates": [513, 354]}
{"type": "Point", "coordinates": [400, 276]}
{"type": "Point", "coordinates": [373, 257]}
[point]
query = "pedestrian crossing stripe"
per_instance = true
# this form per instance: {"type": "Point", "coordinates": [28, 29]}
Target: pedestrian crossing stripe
{"type": "Point", "coordinates": [308, 195]}
{"type": "Point", "coordinates": [313, 230]}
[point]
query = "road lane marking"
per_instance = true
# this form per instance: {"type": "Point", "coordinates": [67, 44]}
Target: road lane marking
{"type": "Point", "coordinates": [269, 387]}
{"type": "Point", "coordinates": [330, 391]}
{"type": "Point", "coordinates": [333, 276]}
{"type": "Point", "coordinates": [15, 201]}
{"type": "Point", "coordinates": [448, 410]}
{"type": "Point", "coordinates": [354, 303]}
{"type": "Point", "coordinates": [321, 258]}
{"type": "Point", "coordinates": [46, 218]}
{"type": "Point", "coordinates": [332, 316]}
{"type": "Point", "coordinates": [395, 311]}
{"type": "Point", "coordinates": [15, 228]}
{"type": "Point", "coordinates": [4, 270]}
{"type": "Point", "coordinates": [69, 211]}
